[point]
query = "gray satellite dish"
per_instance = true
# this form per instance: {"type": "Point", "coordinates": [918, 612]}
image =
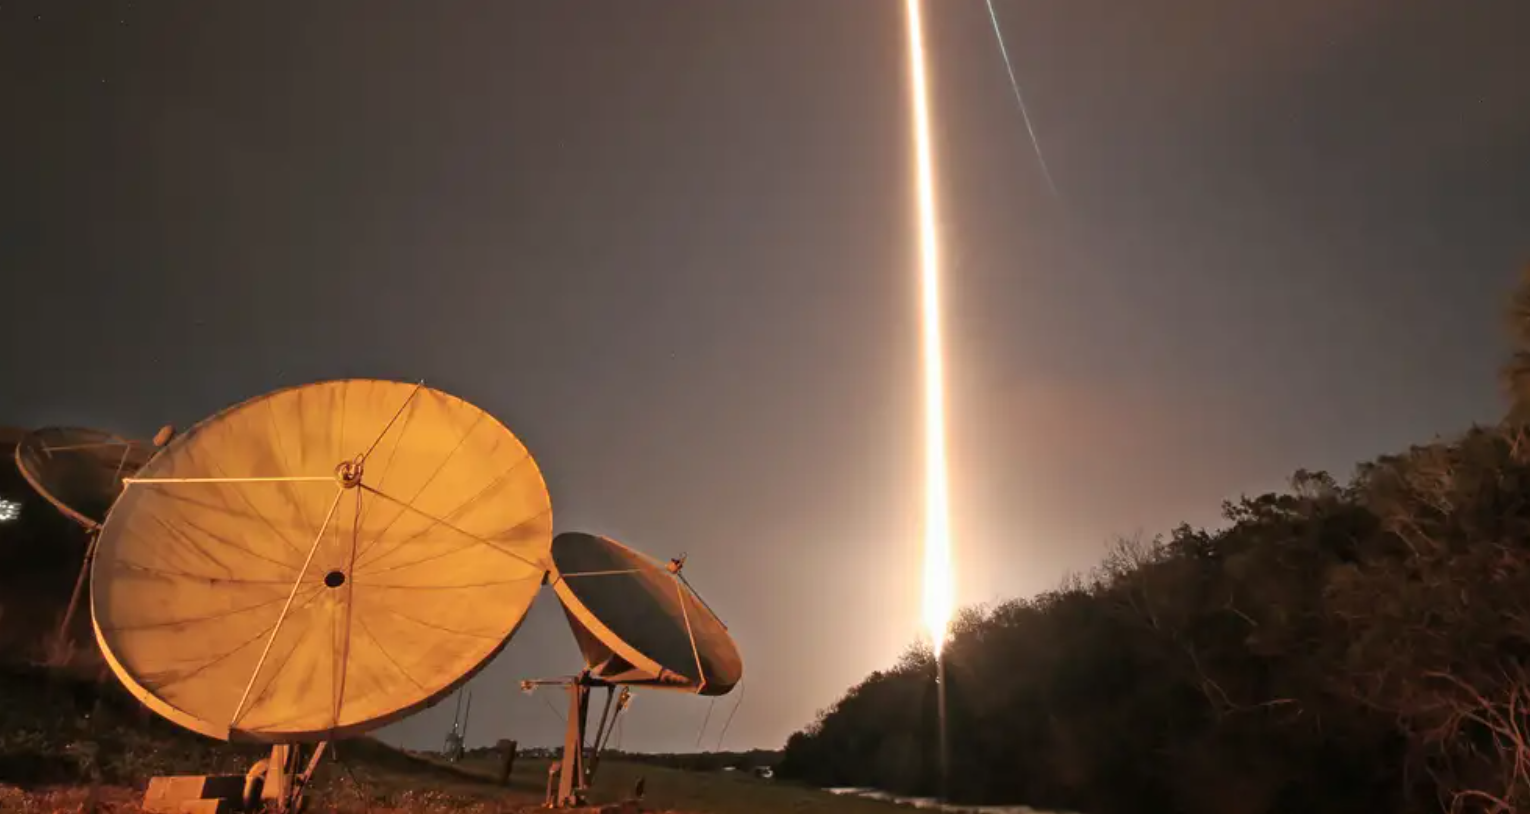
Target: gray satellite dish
{"type": "Point", "coordinates": [80, 471]}
{"type": "Point", "coordinates": [638, 624]}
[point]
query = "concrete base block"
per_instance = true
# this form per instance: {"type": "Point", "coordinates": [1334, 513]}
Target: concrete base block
{"type": "Point", "coordinates": [194, 794]}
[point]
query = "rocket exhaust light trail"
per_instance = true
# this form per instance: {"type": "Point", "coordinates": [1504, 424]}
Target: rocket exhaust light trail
{"type": "Point", "coordinates": [938, 584]}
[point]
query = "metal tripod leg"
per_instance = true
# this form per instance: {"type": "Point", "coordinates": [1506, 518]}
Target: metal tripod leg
{"type": "Point", "coordinates": [61, 643]}
{"type": "Point", "coordinates": [571, 780]}
{"type": "Point", "coordinates": [286, 777]}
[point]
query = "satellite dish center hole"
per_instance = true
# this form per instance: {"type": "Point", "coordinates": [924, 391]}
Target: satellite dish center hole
{"type": "Point", "coordinates": [334, 579]}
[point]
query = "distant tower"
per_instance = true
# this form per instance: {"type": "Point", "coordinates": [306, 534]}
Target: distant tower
{"type": "Point", "coordinates": [456, 738]}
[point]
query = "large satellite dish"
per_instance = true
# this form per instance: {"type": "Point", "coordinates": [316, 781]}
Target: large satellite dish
{"type": "Point", "coordinates": [79, 470]}
{"type": "Point", "coordinates": [320, 561]}
{"type": "Point", "coordinates": [638, 622]}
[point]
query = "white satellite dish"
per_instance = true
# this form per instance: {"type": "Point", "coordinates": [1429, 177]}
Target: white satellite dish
{"type": "Point", "coordinates": [318, 562]}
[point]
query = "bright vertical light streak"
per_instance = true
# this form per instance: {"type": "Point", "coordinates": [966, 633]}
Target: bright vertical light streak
{"type": "Point", "coordinates": [938, 583]}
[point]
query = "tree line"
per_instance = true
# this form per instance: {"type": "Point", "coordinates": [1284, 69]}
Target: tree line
{"type": "Point", "coordinates": [1334, 647]}
{"type": "Point", "coordinates": [688, 761]}
{"type": "Point", "coordinates": [700, 761]}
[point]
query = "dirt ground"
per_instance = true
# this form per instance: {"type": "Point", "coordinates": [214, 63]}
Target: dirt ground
{"type": "Point", "coordinates": [123, 800]}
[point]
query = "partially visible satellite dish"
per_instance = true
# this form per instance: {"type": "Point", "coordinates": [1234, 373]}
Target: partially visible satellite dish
{"type": "Point", "coordinates": [638, 622]}
{"type": "Point", "coordinates": [320, 561]}
{"type": "Point", "coordinates": [79, 470]}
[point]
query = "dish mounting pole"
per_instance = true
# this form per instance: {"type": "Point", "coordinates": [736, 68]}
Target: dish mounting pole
{"type": "Point", "coordinates": [576, 769]}
{"type": "Point", "coordinates": [277, 782]}
{"type": "Point", "coordinates": [573, 783]}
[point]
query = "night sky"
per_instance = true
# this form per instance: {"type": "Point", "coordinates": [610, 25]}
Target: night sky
{"type": "Point", "coordinates": [670, 244]}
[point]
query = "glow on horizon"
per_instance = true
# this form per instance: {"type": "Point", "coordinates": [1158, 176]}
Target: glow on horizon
{"type": "Point", "coordinates": [939, 599]}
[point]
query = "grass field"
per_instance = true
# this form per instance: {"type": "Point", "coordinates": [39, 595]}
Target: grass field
{"type": "Point", "coordinates": [669, 789]}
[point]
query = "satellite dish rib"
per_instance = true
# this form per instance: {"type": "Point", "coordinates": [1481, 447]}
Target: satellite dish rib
{"type": "Point", "coordinates": [320, 561]}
